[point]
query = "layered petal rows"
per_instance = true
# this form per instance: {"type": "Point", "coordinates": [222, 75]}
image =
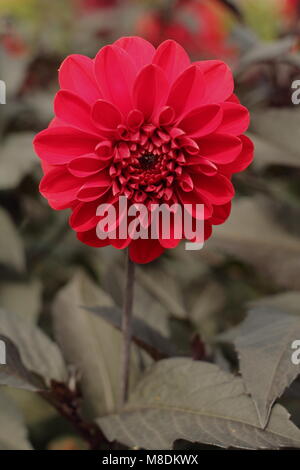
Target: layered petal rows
{"type": "Point", "coordinates": [148, 125]}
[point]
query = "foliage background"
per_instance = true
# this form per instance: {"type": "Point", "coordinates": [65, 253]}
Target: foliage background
{"type": "Point", "coordinates": [194, 300]}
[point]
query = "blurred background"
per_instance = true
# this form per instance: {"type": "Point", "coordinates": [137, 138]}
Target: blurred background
{"type": "Point", "coordinates": [190, 297]}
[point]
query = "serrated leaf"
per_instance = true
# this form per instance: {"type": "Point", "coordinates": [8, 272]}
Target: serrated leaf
{"type": "Point", "coordinates": [33, 360]}
{"type": "Point", "coordinates": [90, 344]}
{"type": "Point", "coordinates": [14, 373]}
{"type": "Point", "coordinates": [156, 345]}
{"type": "Point", "coordinates": [264, 346]}
{"type": "Point", "coordinates": [13, 434]}
{"type": "Point", "coordinates": [251, 234]}
{"type": "Point", "coordinates": [288, 302]}
{"type": "Point", "coordinates": [196, 401]}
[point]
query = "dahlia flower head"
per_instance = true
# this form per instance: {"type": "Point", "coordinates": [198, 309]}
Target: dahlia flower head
{"type": "Point", "coordinates": [148, 125]}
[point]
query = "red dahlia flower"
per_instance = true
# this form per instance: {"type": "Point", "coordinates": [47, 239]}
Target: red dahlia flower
{"type": "Point", "coordinates": [148, 125]}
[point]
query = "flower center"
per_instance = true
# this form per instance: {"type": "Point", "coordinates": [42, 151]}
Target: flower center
{"type": "Point", "coordinates": [148, 161]}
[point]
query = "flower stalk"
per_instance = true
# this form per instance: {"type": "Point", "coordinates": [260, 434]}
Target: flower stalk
{"type": "Point", "coordinates": [127, 328]}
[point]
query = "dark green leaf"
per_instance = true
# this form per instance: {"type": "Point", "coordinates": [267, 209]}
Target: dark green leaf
{"type": "Point", "coordinates": [264, 346]}
{"type": "Point", "coordinates": [156, 345]}
{"type": "Point", "coordinates": [198, 402]}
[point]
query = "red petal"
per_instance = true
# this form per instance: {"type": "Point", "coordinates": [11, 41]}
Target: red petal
{"type": "Point", "coordinates": [59, 145]}
{"type": "Point", "coordinates": [218, 80]}
{"type": "Point", "coordinates": [115, 73]}
{"type": "Point", "coordinates": [84, 216]}
{"type": "Point", "coordinates": [46, 167]}
{"type": "Point", "coordinates": [105, 115]}
{"type": "Point", "coordinates": [236, 119]}
{"type": "Point", "coordinates": [140, 50]}
{"type": "Point", "coordinates": [104, 150]}
{"type": "Point", "coordinates": [188, 144]}
{"type": "Point", "coordinates": [199, 164]}
{"type": "Point", "coordinates": [185, 182]}
{"type": "Point", "coordinates": [170, 243]}
{"type": "Point", "coordinates": [234, 99]}
{"type": "Point", "coordinates": [150, 90]}
{"type": "Point", "coordinates": [243, 160]}
{"type": "Point", "coordinates": [90, 238]}
{"type": "Point", "coordinates": [187, 91]}
{"type": "Point", "coordinates": [220, 214]}
{"type": "Point", "coordinates": [121, 244]}
{"type": "Point", "coordinates": [176, 231]}
{"type": "Point", "coordinates": [56, 122]}
{"type": "Point", "coordinates": [76, 74]}
{"type": "Point", "coordinates": [71, 109]}
{"type": "Point", "coordinates": [207, 230]}
{"type": "Point", "coordinates": [217, 189]}
{"type": "Point", "coordinates": [88, 193]}
{"type": "Point", "coordinates": [58, 205]}
{"type": "Point", "coordinates": [191, 199]}
{"type": "Point", "coordinates": [145, 251]}
{"type": "Point", "coordinates": [135, 119]}
{"type": "Point", "coordinates": [102, 179]}
{"type": "Point", "coordinates": [202, 121]}
{"type": "Point", "coordinates": [86, 165]}
{"type": "Point", "coordinates": [166, 116]}
{"type": "Point", "coordinates": [172, 58]}
{"type": "Point", "coordinates": [220, 148]}
{"type": "Point", "coordinates": [122, 151]}
{"type": "Point", "coordinates": [60, 185]}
